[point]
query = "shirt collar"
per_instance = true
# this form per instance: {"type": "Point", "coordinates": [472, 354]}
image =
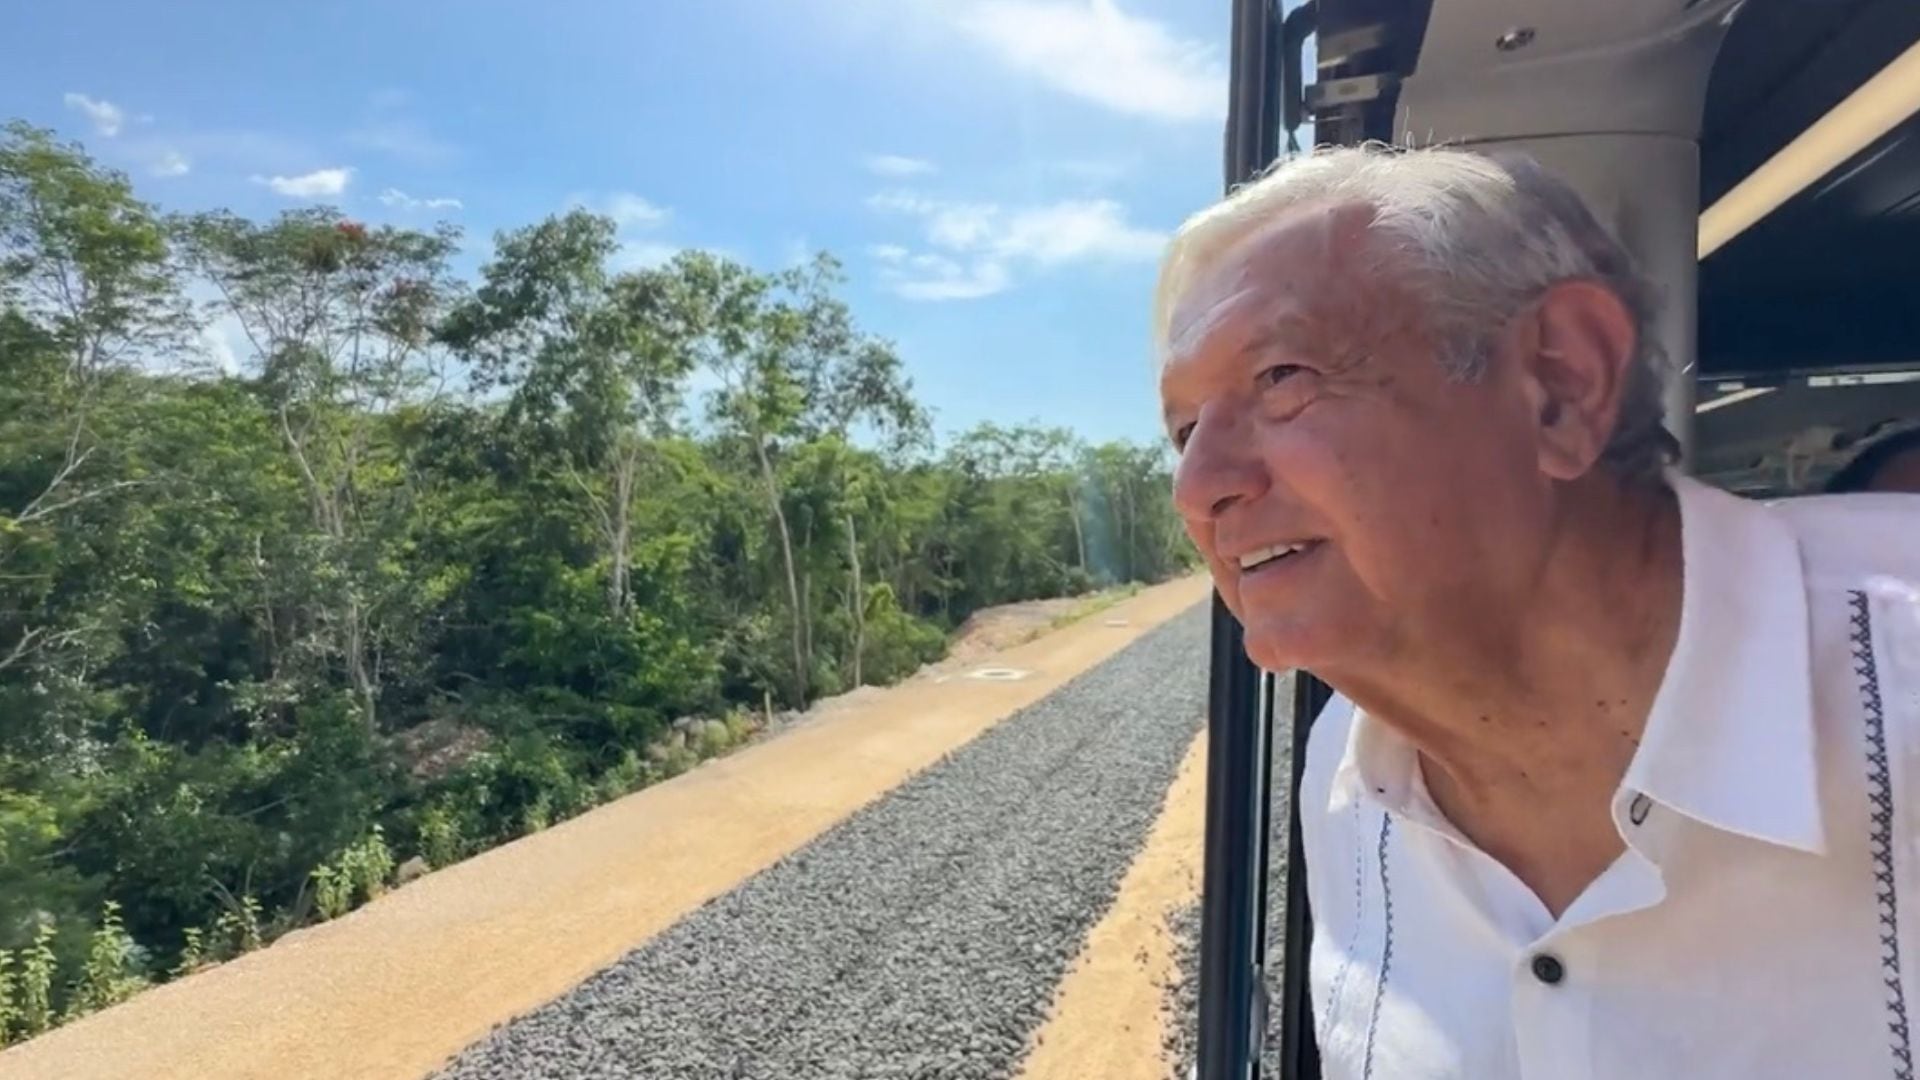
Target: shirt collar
{"type": "Point", "coordinates": [1730, 739]}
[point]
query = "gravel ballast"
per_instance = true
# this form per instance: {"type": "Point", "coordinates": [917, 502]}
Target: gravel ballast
{"type": "Point", "coordinates": [924, 936]}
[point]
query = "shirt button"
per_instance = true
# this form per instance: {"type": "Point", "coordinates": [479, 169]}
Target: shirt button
{"type": "Point", "coordinates": [1548, 969]}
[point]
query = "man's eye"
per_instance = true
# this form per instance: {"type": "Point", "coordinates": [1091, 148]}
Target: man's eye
{"type": "Point", "coordinates": [1274, 375]}
{"type": "Point", "coordinates": [1181, 435]}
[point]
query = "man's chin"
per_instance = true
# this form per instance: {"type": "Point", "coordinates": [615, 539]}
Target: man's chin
{"type": "Point", "coordinates": [1287, 644]}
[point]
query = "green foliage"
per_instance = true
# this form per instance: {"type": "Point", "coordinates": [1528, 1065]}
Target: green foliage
{"type": "Point", "coordinates": [9, 997]}
{"type": "Point", "coordinates": [237, 930]}
{"type": "Point", "coordinates": [37, 969]}
{"type": "Point", "coordinates": [358, 874]}
{"type": "Point", "coordinates": [441, 843]}
{"type": "Point", "coordinates": [537, 815]}
{"type": "Point", "coordinates": [112, 972]}
{"type": "Point", "coordinates": [368, 865]}
{"type": "Point", "coordinates": [82, 256]}
{"type": "Point", "coordinates": [332, 891]}
{"type": "Point", "coordinates": [193, 953]}
{"type": "Point", "coordinates": [715, 740]}
{"type": "Point", "coordinates": [897, 644]}
{"type": "Point", "coordinates": [438, 562]}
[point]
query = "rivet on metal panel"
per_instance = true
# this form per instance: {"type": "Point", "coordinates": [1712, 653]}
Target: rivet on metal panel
{"type": "Point", "coordinates": [1517, 38]}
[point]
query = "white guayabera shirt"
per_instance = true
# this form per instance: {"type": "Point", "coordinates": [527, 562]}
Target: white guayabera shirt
{"type": "Point", "coordinates": [1764, 920]}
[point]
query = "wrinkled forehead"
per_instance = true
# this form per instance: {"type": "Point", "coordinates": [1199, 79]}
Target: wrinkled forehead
{"type": "Point", "coordinates": [1313, 262]}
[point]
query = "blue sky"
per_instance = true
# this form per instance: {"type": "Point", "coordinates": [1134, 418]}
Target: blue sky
{"type": "Point", "coordinates": [997, 175]}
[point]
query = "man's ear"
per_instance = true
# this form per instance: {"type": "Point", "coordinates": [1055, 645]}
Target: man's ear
{"type": "Point", "coordinates": [1574, 353]}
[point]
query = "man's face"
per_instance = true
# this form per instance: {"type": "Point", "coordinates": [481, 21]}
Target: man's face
{"type": "Point", "coordinates": [1314, 418]}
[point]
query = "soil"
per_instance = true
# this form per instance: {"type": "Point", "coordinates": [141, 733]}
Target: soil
{"type": "Point", "coordinates": [1109, 1014]}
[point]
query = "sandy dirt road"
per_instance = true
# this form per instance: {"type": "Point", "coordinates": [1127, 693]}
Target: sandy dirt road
{"type": "Point", "coordinates": [395, 988]}
{"type": "Point", "coordinates": [1107, 1017]}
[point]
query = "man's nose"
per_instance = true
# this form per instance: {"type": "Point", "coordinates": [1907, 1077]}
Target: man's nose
{"type": "Point", "coordinates": [1218, 468]}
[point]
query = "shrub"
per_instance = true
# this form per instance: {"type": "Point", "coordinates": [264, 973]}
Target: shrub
{"type": "Point", "coordinates": [714, 740]}
{"type": "Point", "coordinates": [112, 972]}
{"type": "Point", "coordinates": [678, 760]}
{"type": "Point", "coordinates": [897, 643]}
{"type": "Point", "coordinates": [537, 815]}
{"type": "Point", "coordinates": [237, 930]}
{"type": "Point", "coordinates": [367, 866]}
{"type": "Point", "coordinates": [193, 954]}
{"type": "Point", "coordinates": [9, 1007]}
{"type": "Point", "coordinates": [440, 840]}
{"type": "Point", "coordinates": [36, 983]}
{"type": "Point", "coordinates": [358, 874]}
{"type": "Point", "coordinates": [332, 891]}
{"type": "Point", "coordinates": [740, 725]}
{"type": "Point", "coordinates": [628, 774]}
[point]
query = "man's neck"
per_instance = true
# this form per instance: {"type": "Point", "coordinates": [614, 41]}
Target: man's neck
{"type": "Point", "coordinates": [1524, 735]}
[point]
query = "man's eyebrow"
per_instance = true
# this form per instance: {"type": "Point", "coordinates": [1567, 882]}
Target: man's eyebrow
{"type": "Point", "coordinates": [1288, 328]}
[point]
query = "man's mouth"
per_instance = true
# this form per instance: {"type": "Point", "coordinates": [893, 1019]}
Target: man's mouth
{"type": "Point", "coordinates": [1274, 554]}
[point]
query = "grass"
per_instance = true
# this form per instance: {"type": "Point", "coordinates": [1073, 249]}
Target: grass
{"type": "Point", "coordinates": [1096, 603]}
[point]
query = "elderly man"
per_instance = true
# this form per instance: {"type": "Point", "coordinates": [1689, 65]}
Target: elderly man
{"type": "Point", "coordinates": [1619, 782]}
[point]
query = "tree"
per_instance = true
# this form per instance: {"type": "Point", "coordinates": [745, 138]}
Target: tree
{"type": "Point", "coordinates": [1137, 535]}
{"type": "Point", "coordinates": [790, 365]}
{"type": "Point", "coordinates": [340, 318]}
{"type": "Point", "coordinates": [85, 287]}
{"type": "Point", "coordinates": [82, 257]}
{"type": "Point", "coordinates": [586, 359]}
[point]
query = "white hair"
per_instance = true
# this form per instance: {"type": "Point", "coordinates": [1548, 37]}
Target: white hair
{"type": "Point", "coordinates": [1480, 235]}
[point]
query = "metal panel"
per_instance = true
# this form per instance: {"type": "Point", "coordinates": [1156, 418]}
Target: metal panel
{"type": "Point", "coordinates": [1608, 96]}
{"type": "Point", "coordinates": [1232, 909]}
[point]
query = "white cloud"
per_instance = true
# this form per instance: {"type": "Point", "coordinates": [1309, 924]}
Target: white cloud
{"type": "Point", "coordinates": [896, 166]}
{"type": "Point", "coordinates": [170, 163]}
{"type": "Point", "coordinates": [979, 245]}
{"type": "Point", "coordinates": [1077, 229]}
{"type": "Point", "coordinates": [955, 225]}
{"type": "Point", "coordinates": [644, 255]}
{"type": "Point", "coordinates": [936, 277]}
{"type": "Point", "coordinates": [107, 117]}
{"type": "Point", "coordinates": [630, 211]}
{"type": "Point", "coordinates": [400, 200]}
{"type": "Point", "coordinates": [1095, 51]}
{"type": "Point", "coordinates": [319, 182]}
{"type": "Point", "coordinates": [404, 139]}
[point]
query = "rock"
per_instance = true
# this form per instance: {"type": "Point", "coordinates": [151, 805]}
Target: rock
{"type": "Point", "coordinates": [715, 731]}
{"type": "Point", "coordinates": [412, 870]}
{"type": "Point", "coordinates": [440, 746]}
{"type": "Point", "coordinates": [664, 747]}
